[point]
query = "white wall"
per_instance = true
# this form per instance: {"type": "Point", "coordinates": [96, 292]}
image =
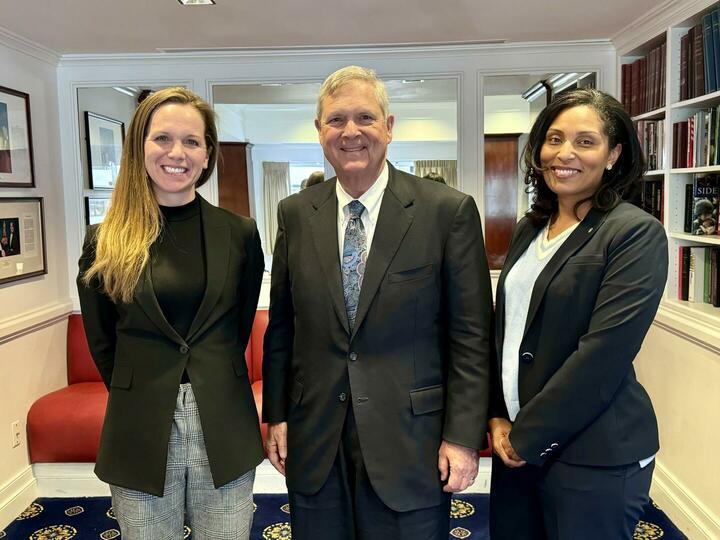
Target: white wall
{"type": "Point", "coordinates": [32, 332]}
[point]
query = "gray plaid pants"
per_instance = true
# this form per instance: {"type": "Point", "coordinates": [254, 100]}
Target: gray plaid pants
{"type": "Point", "coordinates": [189, 495]}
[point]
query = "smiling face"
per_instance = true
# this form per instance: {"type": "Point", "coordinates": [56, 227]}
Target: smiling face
{"type": "Point", "coordinates": [354, 134]}
{"type": "Point", "coordinates": [175, 152]}
{"type": "Point", "coordinates": [575, 154]}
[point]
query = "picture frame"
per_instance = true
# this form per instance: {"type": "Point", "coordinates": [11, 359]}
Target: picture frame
{"type": "Point", "coordinates": [96, 209]}
{"type": "Point", "coordinates": [104, 137]}
{"type": "Point", "coordinates": [16, 152]}
{"type": "Point", "coordinates": [22, 238]}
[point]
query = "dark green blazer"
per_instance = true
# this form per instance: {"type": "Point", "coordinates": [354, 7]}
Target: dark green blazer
{"type": "Point", "coordinates": [141, 360]}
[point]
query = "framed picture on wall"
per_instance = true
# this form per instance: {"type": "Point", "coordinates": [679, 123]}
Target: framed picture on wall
{"type": "Point", "coordinates": [104, 138]}
{"type": "Point", "coordinates": [22, 238]}
{"type": "Point", "coordinates": [95, 209]}
{"type": "Point", "coordinates": [16, 154]}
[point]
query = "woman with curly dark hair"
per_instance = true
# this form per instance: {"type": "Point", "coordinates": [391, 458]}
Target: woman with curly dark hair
{"type": "Point", "coordinates": [574, 433]}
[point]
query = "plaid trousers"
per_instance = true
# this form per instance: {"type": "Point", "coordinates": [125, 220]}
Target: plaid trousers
{"type": "Point", "coordinates": [189, 495]}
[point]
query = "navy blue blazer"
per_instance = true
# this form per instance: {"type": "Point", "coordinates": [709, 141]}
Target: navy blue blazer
{"type": "Point", "coordinates": [580, 401]}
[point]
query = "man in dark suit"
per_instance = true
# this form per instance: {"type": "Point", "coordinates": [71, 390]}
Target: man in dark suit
{"type": "Point", "coordinates": [377, 353]}
{"type": "Point", "coordinates": [13, 247]}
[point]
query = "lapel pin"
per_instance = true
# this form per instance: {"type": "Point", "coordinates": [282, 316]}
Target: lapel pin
{"type": "Point", "coordinates": [590, 230]}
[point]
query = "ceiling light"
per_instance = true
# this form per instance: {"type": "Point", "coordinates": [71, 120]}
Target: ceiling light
{"type": "Point", "coordinates": [197, 2]}
{"type": "Point", "coordinates": [535, 91]}
{"type": "Point", "coordinates": [125, 91]}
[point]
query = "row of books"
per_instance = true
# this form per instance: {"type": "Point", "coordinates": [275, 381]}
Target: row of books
{"type": "Point", "coordinates": [651, 134]}
{"type": "Point", "coordinates": [695, 140]}
{"type": "Point", "coordinates": [700, 58]}
{"type": "Point", "coordinates": [699, 273]}
{"type": "Point", "coordinates": [643, 82]}
{"type": "Point", "coordinates": [702, 205]}
{"type": "Point", "coordinates": [651, 198]}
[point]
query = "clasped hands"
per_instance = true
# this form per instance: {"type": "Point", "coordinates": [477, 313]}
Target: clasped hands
{"type": "Point", "coordinates": [500, 429]}
{"type": "Point", "coordinates": [458, 465]}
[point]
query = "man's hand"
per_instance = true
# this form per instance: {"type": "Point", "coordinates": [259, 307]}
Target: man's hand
{"type": "Point", "coordinates": [500, 429]}
{"type": "Point", "coordinates": [458, 465]}
{"type": "Point", "coordinates": [276, 445]}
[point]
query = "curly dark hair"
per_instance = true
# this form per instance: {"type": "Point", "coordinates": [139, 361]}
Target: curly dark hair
{"type": "Point", "coordinates": [622, 182]}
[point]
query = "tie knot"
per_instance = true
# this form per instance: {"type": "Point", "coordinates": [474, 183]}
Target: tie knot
{"type": "Point", "coordinates": [356, 209]}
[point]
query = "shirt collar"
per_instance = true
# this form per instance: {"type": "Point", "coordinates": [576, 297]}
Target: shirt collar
{"type": "Point", "coordinates": [371, 199]}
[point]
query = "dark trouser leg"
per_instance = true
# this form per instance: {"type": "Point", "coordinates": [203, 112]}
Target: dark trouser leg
{"type": "Point", "coordinates": [515, 509]}
{"type": "Point", "coordinates": [325, 515]}
{"type": "Point", "coordinates": [594, 503]}
{"type": "Point", "coordinates": [347, 507]}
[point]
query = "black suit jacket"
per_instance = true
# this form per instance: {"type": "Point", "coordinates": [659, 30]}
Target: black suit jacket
{"type": "Point", "coordinates": [141, 359]}
{"type": "Point", "coordinates": [416, 365]}
{"type": "Point", "coordinates": [589, 312]}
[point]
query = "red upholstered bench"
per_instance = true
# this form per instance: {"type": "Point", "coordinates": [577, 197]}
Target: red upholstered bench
{"type": "Point", "coordinates": [64, 426]}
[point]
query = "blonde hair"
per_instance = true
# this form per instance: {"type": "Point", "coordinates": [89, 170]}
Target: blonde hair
{"type": "Point", "coordinates": [354, 73]}
{"type": "Point", "coordinates": [133, 222]}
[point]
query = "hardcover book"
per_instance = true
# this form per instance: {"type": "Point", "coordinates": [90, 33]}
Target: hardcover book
{"type": "Point", "coordinates": [706, 194]}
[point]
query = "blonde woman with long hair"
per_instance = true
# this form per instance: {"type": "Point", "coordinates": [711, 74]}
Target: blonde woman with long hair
{"type": "Point", "coordinates": [168, 286]}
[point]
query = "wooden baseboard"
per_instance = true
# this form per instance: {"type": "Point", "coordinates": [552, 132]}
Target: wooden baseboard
{"type": "Point", "coordinates": [79, 480]}
{"type": "Point", "coordinates": [16, 496]}
{"type": "Point", "coordinates": [685, 510]}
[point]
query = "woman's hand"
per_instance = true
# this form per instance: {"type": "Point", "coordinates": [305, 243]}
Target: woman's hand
{"type": "Point", "coordinates": [500, 429]}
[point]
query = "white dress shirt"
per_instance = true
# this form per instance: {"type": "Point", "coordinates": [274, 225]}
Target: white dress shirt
{"type": "Point", "coordinates": [371, 200]}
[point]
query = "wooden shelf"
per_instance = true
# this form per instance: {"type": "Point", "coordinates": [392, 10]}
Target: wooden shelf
{"type": "Point", "coordinates": [657, 114]}
{"type": "Point", "coordinates": [705, 239]}
{"type": "Point", "coordinates": [696, 170]}
{"type": "Point", "coordinates": [698, 102]}
{"type": "Point", "coordinates": [658, 172]}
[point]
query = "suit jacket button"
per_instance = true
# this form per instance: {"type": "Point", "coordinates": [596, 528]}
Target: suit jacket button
{"type": "Point", "coordinates": [543, 454]}
{"type": "Point", "coordinates": [526, 357]}
{"type": "Point", "coordinates": [554, 445]}
{"type": "Point", "coordinates": [342, 397]}
{"type": "Point", "coordinates": [353, 356]}
{"type": "Point", "coordinates": [184, 349]}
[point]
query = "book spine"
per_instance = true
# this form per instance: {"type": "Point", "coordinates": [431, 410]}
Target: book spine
{"type": "Point", "coordinates": [706, 274]}
{"type": "Point", "coordinates": [684, 272]}
{"type": "Point", "coordinates": [688, 208]}
{"type": "Point", "coordinates": [708, 51]}
{"type": "Point", "coordinates": [698, 61]}
{"type": "Point", "coordinates": [684, 54]}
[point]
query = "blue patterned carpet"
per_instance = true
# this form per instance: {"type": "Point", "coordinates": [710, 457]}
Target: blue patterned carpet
{"type": "Point", "coordinates": [92, 518]}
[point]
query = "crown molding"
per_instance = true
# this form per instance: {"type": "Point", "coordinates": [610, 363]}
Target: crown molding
{"type": "Point", "coordinates": [28, 47]}
{"type": "Point", "coordinates": [313, 53]}
{"type": "Point", "coordinates": [656, 22]}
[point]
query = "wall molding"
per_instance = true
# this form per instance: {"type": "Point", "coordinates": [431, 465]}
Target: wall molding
{"type": "Point", "coordinates": [16, 495]}
{"type": "Point", "coordinates": [23, 45]}
{"type": "Point", "coordinates": [682, 507]}
{"type": "Point", "coordinates": [33, 320]}
{"type": "Point", "coordinates": [686, 323]}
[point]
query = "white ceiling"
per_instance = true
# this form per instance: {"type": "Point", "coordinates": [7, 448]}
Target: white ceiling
{"type": "Point", "coordinates": [134, 26]}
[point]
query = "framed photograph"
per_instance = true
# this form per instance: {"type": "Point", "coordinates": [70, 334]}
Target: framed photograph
{"type": "Point", "coordinates": [22, 238]}
{"type": "Point", "coordinates": [95, 209]}
{"type": "Point", "coordinates": [16, 154]}
{"type": "Point", "coordinates": [104, 138]}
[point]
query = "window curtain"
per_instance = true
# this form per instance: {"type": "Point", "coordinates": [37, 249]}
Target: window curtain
{"type": "Point", "coordinates": [276, 186]}
{"type": "Point", "coordinates": [447, 168]}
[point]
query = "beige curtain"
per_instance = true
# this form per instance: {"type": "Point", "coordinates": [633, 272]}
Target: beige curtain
{"type": "Point", "coordinates": [276, 186]}
{"type": "Point", "coordinates": [447, 168]}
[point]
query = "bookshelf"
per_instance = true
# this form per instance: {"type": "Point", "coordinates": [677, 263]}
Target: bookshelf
{"type": "Point", "coordinates": [682, 53]}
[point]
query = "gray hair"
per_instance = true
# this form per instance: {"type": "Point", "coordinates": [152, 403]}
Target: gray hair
{"type": "Point", "coordinates": [354, 73]}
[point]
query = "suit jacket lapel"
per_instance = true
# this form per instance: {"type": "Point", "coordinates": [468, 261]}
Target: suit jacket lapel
{"type": "Point", "coordinates": [323, 223]}
{"type": "Point", "coordinates": [216, 236]}
{"type": "Point", "coordinates": [395, 217]}
{"type": "Point", "coordinates": [575, 241]}
{"type": "Point", "coordinates": [146, 299]}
